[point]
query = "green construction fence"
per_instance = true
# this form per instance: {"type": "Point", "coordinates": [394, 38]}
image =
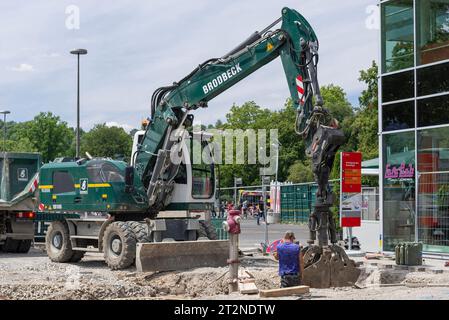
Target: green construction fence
{"type": "Point", "coordinates": [298, 202]}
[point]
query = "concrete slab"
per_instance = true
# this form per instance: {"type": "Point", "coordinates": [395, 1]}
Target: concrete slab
{"type": "Point", "coordinates": [284, 292]}
{"type": "Point", "coordinates": [355, 253]}
{"type": "Point", "coordinates": [248, 288]}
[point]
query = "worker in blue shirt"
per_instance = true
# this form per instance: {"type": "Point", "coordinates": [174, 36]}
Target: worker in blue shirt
{"type": "Point", "coordinates": [290, 261]}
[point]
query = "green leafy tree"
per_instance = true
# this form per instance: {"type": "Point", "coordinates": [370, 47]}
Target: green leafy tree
{"type": "Point", "coordinates": [336, 102]}
{"type": "Point", "coordinates": [300, 172]}
{"type": "Point", "coordinates": [46, 134]}
{"type": "Point", "coordinates": [104, 141]}
{"type": "Point", "coordinates": [364, 127]}
{"type": "Point", "coordinates": [21, 145]}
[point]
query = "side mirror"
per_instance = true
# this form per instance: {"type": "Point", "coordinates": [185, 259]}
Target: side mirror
{"type": "Point", "coordinates": [129, 179]}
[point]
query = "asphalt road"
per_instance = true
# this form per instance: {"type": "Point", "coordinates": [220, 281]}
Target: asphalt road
{"type": "Point", "coordinates": [252, 234]}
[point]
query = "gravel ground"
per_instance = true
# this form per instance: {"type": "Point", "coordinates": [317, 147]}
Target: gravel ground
{"type": "Point", "coordinates": [33, 276]}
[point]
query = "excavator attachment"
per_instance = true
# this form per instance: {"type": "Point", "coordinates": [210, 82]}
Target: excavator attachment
{"type": "Point", "coordinates": [180, 255]}
{"type": "Point", "coordinates": [330, 266]}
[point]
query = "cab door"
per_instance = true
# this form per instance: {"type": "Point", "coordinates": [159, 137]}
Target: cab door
{"type": "Point", "coordinates": [64, 193]}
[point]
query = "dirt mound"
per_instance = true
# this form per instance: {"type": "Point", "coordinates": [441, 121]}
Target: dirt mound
{"type": "Point", "coordinates": [202, 281]}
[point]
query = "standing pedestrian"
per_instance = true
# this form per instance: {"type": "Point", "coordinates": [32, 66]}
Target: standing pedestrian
{"type": "Point", "coordinates": [291, 263]}
{"type": "Point", "coordinates": [245, 209]}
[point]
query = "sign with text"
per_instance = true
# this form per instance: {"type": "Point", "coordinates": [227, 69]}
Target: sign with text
{"type": "Point", "coordinates": [351, 189]}
{"type": "Point", "coordinates": [351, 172]}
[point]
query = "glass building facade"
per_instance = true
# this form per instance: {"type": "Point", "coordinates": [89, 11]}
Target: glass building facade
{"type": "Point", "coordinates": [414, 123]}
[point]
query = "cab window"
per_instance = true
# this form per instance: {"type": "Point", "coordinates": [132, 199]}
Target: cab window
{"type": "Point", "coordinates": [100, 172]}
{"type": "Point", "coordinates": [202, 181]}
{"type": "Point", "coordinates": [110, 173]}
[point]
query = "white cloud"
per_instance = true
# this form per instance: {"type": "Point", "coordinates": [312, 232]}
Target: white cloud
{"type": "Point", "coordinates": [23, 67]}
{"type": "Point", "coordinates": [131, 55]}
{"type": "Point", "coordinates": [52, 55]}
{"type": "Point", "coordinates": [125, 126]}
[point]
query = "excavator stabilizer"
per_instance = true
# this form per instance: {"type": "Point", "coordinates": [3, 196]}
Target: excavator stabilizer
{"type": "Point", "coordinates": [326, 267]}
{"type": "Point", "coordinates": [181, 255]}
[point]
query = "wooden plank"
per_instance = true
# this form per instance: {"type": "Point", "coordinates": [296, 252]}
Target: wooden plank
{"type": "Point", "coordinates": [284, 292]}
{"type": "Point", "coordinates": [248, 288]}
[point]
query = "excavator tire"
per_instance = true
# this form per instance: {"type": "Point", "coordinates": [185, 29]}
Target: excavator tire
{"type": "Point", "coordinates": [140, 230]}
{"type": "Point", "coordinates": [207, 230]}
{"type": "Point", "coordinates": [57, 242]}
{"type": "Point", "coordinates": [119, 245]}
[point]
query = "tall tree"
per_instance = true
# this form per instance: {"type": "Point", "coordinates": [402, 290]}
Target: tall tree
{"type": "Point", "coordinates": [47, 134]}
{"type": "Point", "coordinates": [364, 128]}
{"type": "Point", "coordinates": [336, 102]}
{"type": "Point", "coordinates": [104, 141]}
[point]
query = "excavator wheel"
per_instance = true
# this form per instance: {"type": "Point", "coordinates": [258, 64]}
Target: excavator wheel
{"type": "Point", "coordinates": [57, 242]}
{"type": "Point", "coordinates": [207, 230]}
{"type": "Point", "coordinates": [140, 230]}
{"type": "Point", "coordinates": [119, 245]}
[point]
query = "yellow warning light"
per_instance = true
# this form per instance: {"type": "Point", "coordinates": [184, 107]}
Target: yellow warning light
{"type": "Point", "coordinates": [269, 46]}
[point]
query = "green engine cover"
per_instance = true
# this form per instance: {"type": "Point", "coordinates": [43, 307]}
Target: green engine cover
{"type": "Point", "coordinates": [94, 185]}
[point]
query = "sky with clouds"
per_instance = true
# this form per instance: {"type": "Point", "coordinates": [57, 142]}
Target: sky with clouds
{"type": "Point", "coordinates": [137, 46]}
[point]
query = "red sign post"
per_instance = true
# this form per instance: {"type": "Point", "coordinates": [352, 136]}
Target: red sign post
{"type": "Point", "coordinates": [351, 189]}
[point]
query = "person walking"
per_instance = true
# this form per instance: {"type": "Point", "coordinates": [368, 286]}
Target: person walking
{"type": "Point", "coordinates": [290, 259]}
{"type": "Point", "coordinates": [257, 212]}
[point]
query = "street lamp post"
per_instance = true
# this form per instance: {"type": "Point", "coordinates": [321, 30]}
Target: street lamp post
{"type": "Point", "coordinates": [237, 182]}
{"type": "Point", "coordinates": [5, 112]}
{"type": "Point", "coordinates": [78, 52]}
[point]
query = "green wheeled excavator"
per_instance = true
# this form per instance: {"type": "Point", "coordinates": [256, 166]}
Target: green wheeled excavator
{"type": "Point", "coordinates": [150, 182]}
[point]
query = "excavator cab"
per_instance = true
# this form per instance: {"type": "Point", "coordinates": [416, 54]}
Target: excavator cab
{"type": "Point", "coordinates": [194, 183]}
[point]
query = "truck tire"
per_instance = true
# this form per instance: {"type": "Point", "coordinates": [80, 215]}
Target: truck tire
{"type": "Point", "coordinates": [207, 230]}
{"type": "Point", "coordinates": [119, 245]}
{"type": "Point", "coordinates": [24, 246]}
{"type": "Point", "coordinates": [57, 242]}
{"type": "Point", "coordinates": [140, 230]}
{"type": "Point", "coordinates": [11, 245]}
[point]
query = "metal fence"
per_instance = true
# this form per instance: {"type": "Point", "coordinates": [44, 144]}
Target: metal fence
{"type": "Point", "coordinates": [218, 225]}
{"type": "Point", "coordinates": [298, 201]}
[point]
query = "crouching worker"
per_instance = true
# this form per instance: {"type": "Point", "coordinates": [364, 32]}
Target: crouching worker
{"type": "Point", "coordinates": [290, 261]}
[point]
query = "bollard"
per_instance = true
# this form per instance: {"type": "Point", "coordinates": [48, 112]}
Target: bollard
{"type": "Point", "coordinates": [232, 225]}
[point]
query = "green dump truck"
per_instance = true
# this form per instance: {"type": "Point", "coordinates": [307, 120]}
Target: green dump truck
{"type": "Point", "coordinates": [18, 201]}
